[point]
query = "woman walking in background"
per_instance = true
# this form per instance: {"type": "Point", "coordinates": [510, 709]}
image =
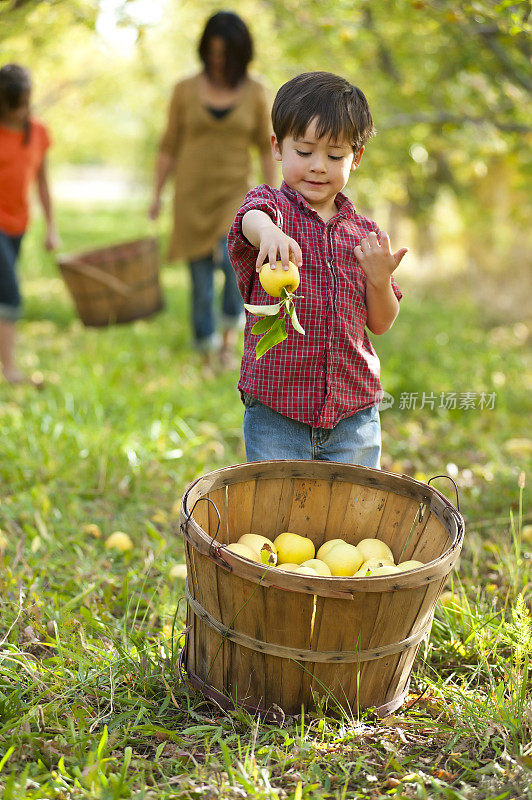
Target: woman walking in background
{"type": "Point", "coordinates": [215, 117]}
{"type": "Point", "coordinates": [23, 145]}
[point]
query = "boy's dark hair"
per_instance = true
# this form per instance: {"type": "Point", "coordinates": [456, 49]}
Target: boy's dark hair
{"type": "Point", "coordinates": [14, 82]}
{"type": "Point", "coordinates": [238, 44]}
{"type": "Point", "coordinates": [340, 109]}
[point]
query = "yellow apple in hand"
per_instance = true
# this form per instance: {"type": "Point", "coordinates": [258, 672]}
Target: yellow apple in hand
{"type": "Point", "coordinates": [291, 547]}
{"type": "Point", "coordinates": [343, 559]}
{"type": "Point", "coordinates": [374, 548]}
{"type": "Point", "coordinates": [273, 280]}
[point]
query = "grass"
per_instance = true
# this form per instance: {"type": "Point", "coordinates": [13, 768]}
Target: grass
{"type": "Point", "coordinates": [89, 703]}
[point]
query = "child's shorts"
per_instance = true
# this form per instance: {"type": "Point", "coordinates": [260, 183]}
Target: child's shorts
{"type": "Point", "coordinates": [10, 301]}
{"type": "Point", "coordinates": [270, 436]}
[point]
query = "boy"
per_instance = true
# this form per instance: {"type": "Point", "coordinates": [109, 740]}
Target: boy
{"type": "Point", "coordinates": [316, 396]}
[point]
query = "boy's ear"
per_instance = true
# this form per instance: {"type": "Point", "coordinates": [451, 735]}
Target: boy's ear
{"type": "Point", "coordinates": [357, 159]}
{"type": "Point", "coordinates": [276, 149]}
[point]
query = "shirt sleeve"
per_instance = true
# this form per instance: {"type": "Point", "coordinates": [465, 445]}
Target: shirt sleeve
{"type": "Point", "coordinates": [242, 253]}
{"type": "Point", "coordinates": [173, 133]}
{"type": "Point", "coordinates": [43, 141]}
{"type": "Point", "coordinates": [263, 126]}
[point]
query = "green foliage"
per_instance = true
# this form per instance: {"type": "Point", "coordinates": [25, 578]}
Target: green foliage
{"type": "Point", "coordinates": [272, 325]}
{"type": "Point", "coordinates": [449, 86]}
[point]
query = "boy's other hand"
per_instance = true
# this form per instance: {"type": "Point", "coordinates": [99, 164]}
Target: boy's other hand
{"type": "Point", "coordinates": [376, 258]}
{"type": "Point", "coordinates": [277, 246]}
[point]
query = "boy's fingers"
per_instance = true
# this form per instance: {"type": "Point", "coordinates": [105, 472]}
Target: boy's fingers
{"type": "Point", "coordinates": [297, 254]}
{"type": "Point", "coordinates": [358, 252]}
{"type": "Point", "coordinates": [399, 255]}
{"type": "Point", "coordinates": [272, 255]}
{"type": "Point", "coordinates": [365, 246]}
{"type": "Point", "coordinates": [285, 255]}
{"type": "Point", "coordinates": [385, 242]}
{"type": "Point", "coordinates": [260, 259]}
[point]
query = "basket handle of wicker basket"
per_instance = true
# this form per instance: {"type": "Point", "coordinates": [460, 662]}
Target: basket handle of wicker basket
{"type": "Point", "coordinates": [111, 281]}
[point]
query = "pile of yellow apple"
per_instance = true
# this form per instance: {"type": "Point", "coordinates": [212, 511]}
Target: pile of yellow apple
{"type": "Point", "coordinates": [295, 553]}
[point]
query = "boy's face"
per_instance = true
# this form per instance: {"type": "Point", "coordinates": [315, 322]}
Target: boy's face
{"type": "Point", "coordinates": [316, 168]}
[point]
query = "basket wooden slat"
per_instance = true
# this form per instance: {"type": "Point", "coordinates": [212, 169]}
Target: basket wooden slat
{"type": "Point", "coordinates": [114, 284]}
{"type": "Point", "coordinates": [264, 637]}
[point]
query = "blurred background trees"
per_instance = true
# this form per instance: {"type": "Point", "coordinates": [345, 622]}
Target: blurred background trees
{"type": "Point", "coordinates": [449, 84]}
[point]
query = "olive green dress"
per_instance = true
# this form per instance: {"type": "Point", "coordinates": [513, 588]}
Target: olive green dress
{"type": "Point", "coordinates": [212, 163]}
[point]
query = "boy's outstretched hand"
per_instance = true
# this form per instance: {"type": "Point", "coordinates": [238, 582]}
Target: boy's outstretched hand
{"type": "Point", "coordinates": [377, 260]}
{"type": "Point", "coordinates": [273, 244]}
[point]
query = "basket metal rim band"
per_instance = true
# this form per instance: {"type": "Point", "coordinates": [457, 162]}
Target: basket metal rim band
{"type": "Point", "coordinates": [436, 569]}
{"type": "Point", "coordinates": [270, 714]}
{"type": "Point", "coordinates": [322, 656]}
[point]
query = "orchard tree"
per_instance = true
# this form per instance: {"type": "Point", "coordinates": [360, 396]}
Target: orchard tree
{"type": "Point", "coordinates": [448, 82]}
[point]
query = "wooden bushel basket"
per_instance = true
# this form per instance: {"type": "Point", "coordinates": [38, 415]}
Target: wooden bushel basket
{"type": "Point", "coordinates": [267, 639]}
{"type": "Point", "coordinates": [114, 284]}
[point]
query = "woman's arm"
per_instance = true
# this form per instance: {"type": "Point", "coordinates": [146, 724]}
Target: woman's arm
{"type": "Point", "coordinates": [52, 240]}
{"type": "Point", "coordinates": [163, 167]}
{"type": "Point", "coordinates": [168, 148]}
{"type": "Point", "coordinates": [269, 168]}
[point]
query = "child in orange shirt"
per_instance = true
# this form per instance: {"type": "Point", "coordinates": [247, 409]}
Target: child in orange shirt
{"type": "Point", "coordinates": [23, 145]}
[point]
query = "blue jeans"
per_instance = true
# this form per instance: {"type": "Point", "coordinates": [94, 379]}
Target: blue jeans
{"type": "Point", "coordinates": [10, 301]}
{"type": "Point", "coordinates": [203, 317]}
{"type": "Point", "coordinates": [270, 436]}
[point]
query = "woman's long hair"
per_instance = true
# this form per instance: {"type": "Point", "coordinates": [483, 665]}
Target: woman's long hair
{"type": "Point", "coordinates": [238, 44]}
{"type": "Point", "coordinates": [14, 82]}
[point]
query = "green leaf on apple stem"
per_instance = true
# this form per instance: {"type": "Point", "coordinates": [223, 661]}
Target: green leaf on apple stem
{"type": "Point", "coordinates": [264, 324]}
{"type": "Point", "coordinates": [275, 335]}
{"type": "Point", "coordinates": [295, 322]}
{"type": "Point", "coordinates": [263, 311]}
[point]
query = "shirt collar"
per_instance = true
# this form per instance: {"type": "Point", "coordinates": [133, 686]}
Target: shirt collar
{"type": "Point", "coordinates": [345, 207]}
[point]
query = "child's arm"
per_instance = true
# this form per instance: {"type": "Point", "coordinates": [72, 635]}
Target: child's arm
{"type": "Point", "coordinates": [272, 242]}
{"type": "Point", "coordinates": [52, 240]}
{"type": "Point", "coordinates": [378, 263]}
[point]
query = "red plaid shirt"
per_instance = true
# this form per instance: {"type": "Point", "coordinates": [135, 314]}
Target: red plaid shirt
{"type": "Point", "coordinates": [332, 371]}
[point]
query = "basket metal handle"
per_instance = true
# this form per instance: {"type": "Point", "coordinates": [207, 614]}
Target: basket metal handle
{"type": "Point", "coordinates": [215, 548]}
{"type": "Point", "coordinates": [453, 483]}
